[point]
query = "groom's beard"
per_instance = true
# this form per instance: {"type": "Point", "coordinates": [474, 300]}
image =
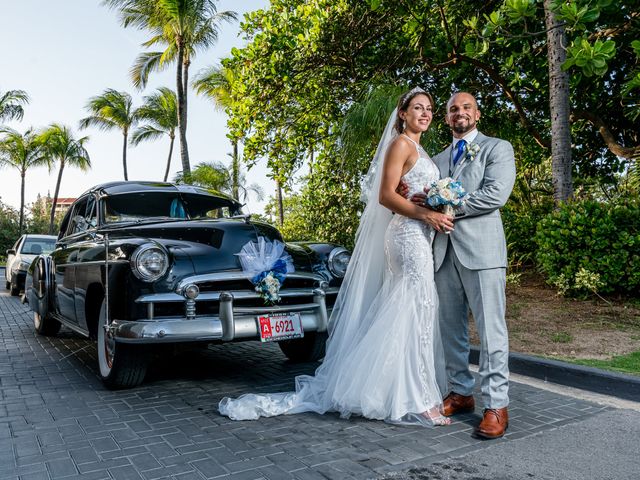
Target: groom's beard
{"type": "Point", "coordinates": [462, 128]}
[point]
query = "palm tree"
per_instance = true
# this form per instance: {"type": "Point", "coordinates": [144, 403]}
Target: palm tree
{"type": "Point", "coordinates": [182, 27]}
{"type": "Point", "coordinates": [216, 83]}
{"type": "Point", "coordinates": [21, 151]}
{"type": "Point", "coordinates": [111, 110]}
{"type": "Point", "coordinates": [559, 105]}
{"type": "Point", "coordinates": [217, 176]}
{"type": "Point", "coordinates": [59, 145]}
{"type": "Point", "coordinates": [161, 111]}
{"type": "Point", "coordinates": [11, 104]}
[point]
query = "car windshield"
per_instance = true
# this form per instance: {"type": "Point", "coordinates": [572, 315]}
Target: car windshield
{"type": "Point", "coordinates": [140, 206]}
{"type": "Point", "coordinates": [36, 246]}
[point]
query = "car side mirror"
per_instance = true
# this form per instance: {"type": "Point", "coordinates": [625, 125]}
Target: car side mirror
{"type": "Point", "coordinates": [11, 251]}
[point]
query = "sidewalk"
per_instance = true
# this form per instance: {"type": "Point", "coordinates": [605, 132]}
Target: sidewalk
{"type": "Point", "coordinates": [58, 421]}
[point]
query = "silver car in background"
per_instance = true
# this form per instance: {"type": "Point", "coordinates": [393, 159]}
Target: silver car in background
{"type": "Point", "coordinates": [21, 255]}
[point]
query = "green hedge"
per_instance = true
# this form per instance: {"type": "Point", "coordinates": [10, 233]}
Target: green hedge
{"type": "Point", "coordinates": [520, 223]}
{"type": "Point", "coordinates": [589, 246]}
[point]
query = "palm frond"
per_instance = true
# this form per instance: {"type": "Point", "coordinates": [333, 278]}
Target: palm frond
{"type": "Point", "coordinates": [109, 110]}
{"type": "Point", "coordinates": [145, 64]}
{"type": "Point", "coordinates": [11, 103]}
{"type": "Point", "coordinates": [215, 82]}
{"type": "Point", "coordinates": [145, 133]}
{"type": "Point", "coordinates": [365, 120]}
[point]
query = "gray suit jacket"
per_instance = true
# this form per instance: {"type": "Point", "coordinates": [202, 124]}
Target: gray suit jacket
{"type": "Point", "coordinates": [478, 236]}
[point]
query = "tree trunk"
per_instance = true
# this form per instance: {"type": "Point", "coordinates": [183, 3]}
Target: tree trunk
{"type": "Point", "coordinates": [182, 113]}
{"type": "Point", "coordinates": [166, 173]}
{"type": "Point", "coordinates": [280, 204]}
{"type": "Point", "coordinates": [55, 199]}
{"type": "Point", "coordinates": [124, 154]}
{"type": "Point", "coordinates": [235, 172]}
{"type": "Point", "coordinates": [559, 107]}
{"type": "Point", "coordinates": [23, 173]}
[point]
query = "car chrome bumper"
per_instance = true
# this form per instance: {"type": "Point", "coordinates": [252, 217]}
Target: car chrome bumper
{"type": "Point", "coordinates": [230, 324]}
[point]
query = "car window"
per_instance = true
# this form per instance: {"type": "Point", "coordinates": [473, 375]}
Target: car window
{"type": "Point", "coordinates": [78, 223]}
{"type": "Point", "coordinates": [91, 213]}
{"type": "Point", "coordinates": [145, 205]}
{"type": "Point", "coordinates": [37, 246]}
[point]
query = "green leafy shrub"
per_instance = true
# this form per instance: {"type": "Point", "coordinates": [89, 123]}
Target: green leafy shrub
{"type": "Point", "coordinates": [9, 231]}
{"type": "Point", "coordinates": [520, 231]}
{"type": "Point", "coordinates": [591, 247]}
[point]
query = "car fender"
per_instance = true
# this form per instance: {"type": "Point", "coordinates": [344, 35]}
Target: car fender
{"type": "Point", "coordinates": [39, 286]}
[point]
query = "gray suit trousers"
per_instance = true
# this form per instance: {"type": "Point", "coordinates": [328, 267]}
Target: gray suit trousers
{"type": "Point", "coordinates": [484, 292]}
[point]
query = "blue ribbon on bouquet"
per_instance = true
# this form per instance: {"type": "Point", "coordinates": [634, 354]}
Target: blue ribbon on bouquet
{"type": "Point", "coordinates": [278, 269]}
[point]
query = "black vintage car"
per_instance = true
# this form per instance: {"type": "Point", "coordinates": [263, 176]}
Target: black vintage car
{"type": "Point", "coordinates": [138, 264]}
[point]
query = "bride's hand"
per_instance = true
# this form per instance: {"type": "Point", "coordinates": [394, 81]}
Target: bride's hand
{"type": "Point", "coordinates": [439, 221]}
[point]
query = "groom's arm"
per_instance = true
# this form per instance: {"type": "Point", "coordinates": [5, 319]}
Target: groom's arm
{"type": "Point", "coordinates": [499, 178]}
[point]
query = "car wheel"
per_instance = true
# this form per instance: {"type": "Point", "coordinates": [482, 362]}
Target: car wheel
{"type": "Point", "coordinates": [309, 348]}
{"type": "Point", "coordinates": [14, 289]}
{"type": "Point", "coordinates": [45, 325]}
{"type": "Point", "coordinates": [120, 365]}
{"type": "Point", "coordinates": [7, 284]}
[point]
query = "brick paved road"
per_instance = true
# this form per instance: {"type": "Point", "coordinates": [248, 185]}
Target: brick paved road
{"type": "Point", "coordinates": [58, 421]}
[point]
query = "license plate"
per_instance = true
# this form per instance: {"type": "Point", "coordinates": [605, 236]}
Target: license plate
{"type": "Point", "coordinates": [280, 327]}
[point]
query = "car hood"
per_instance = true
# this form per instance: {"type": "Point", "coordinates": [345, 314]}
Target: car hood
{"type": "Point", "coordinates": [24, 257]}
{"type": "Point", "coordinates": [212, 245]}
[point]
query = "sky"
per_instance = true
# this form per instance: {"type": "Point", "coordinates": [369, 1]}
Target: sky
{"type": "Point", "coordinates": [64, 52]}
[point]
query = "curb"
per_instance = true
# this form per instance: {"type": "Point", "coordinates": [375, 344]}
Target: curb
{"type": "Point", "coordinates": [619, 385]}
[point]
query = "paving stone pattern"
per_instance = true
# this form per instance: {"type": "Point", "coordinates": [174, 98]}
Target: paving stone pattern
{"type": "Point", "coordinates": [58, 421]}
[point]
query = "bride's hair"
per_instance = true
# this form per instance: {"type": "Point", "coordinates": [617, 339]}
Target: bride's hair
{"type": "Point", "coordinates": [403, 104]}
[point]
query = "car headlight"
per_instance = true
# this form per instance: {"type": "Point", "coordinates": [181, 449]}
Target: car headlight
{"type": "Point", "coordinates": [338, 261]}
{"type": "Point", "coordinates": [149, 262]}
{"type": "Point", "coordinates": [24, 265]}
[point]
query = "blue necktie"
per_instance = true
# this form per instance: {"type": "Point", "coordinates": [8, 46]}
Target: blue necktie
{"type": "Point", "coordinates": [459, 150]}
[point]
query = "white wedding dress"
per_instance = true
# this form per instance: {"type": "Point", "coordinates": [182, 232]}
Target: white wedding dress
{"type": "Point", "coordinates": [385, 365]}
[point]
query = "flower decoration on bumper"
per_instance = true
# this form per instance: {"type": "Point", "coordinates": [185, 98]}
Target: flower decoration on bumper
{"type": "Point", "coordinates": [471, 151]}
{"type": "Point", "coordinates": [446, 195]}
{"type": "Point", "coordinates": [266, 264]}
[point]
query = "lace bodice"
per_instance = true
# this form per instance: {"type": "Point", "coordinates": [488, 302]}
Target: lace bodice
{"type": "Point", "coordinates": [423, 172]}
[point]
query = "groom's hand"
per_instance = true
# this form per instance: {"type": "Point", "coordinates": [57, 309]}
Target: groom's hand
{"type": "Point", "coordinates": [403, 189]}
{"type": "Point", "coordinates": [420, 198]}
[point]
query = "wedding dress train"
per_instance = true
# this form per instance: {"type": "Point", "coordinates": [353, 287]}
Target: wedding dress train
{"type": "Point", "coordinates": [386, 362]}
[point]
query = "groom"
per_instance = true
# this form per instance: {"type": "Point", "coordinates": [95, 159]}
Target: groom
{"type": "Point", "coordinates": [471, 263]}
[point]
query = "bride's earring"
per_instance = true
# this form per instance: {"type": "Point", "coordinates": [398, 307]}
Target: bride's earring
{"type": "Point", "coordinates": [404, 125]}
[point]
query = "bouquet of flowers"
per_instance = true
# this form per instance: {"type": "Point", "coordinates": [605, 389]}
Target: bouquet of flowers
{"type": "Point", "coordinates": [446, 195]}
{"type": "Point", "coordinates": [266, 265]}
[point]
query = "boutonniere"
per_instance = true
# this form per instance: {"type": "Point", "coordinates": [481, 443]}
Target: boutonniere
{"type": "Point", "coordinates": [472, 151]}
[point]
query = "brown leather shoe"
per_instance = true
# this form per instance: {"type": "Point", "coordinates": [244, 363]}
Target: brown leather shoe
{"type": "Point", "coordinates": [455, 403]}
{"type": "Point", "coordinates": [494, 423]}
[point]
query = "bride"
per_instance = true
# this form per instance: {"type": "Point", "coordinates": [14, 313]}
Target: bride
{"type": "Point", "coordinates": [383, 357]}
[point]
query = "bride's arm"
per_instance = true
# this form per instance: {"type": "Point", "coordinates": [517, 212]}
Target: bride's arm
{"type": "Point", "coordinates": [398, 154]}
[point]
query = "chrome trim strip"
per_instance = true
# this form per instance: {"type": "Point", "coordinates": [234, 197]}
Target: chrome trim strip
{"type": "Point", "coordinates": [275, 309]}
{"type": "Point", "coordinates": [237, 294]}
{"type": "Point", "coordinates": [239, 275]}
{"type": "Point", "coordinates": [92, 262]}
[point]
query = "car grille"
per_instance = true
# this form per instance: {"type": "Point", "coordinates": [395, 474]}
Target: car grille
{"type": "Point", "coordinates": [297, 289]}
